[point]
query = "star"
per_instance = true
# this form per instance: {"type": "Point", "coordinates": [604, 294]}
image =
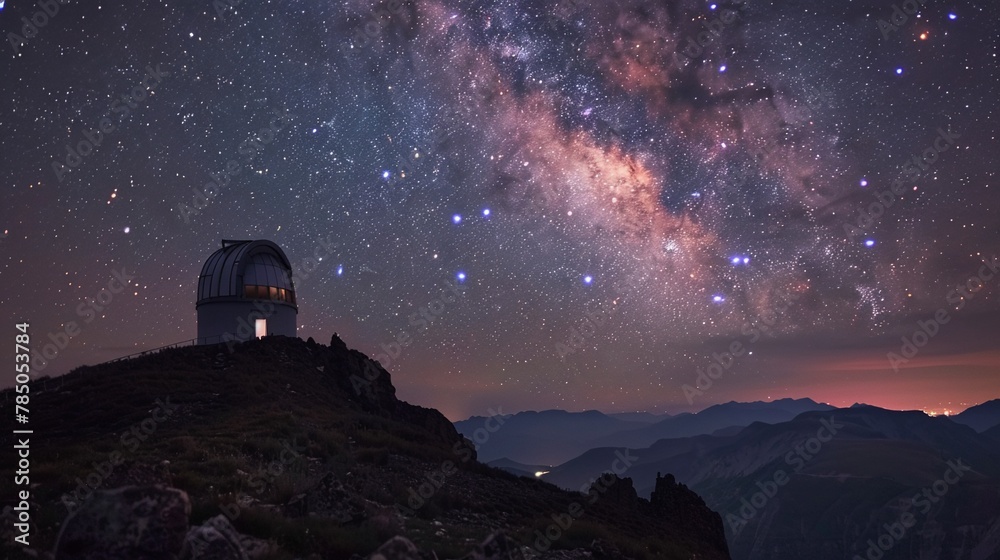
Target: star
{"type": "Point", "coordinates": [613, 143]}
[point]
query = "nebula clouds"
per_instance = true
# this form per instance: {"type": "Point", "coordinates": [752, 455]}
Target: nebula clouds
{"type": "Point", "coordinates": [685, 163]}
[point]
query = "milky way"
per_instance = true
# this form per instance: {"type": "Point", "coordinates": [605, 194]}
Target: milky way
{"type": "Point", "coordinates": [622, 189]}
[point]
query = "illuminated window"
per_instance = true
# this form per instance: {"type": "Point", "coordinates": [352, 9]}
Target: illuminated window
{"type": "Point", "coordinates": [274, 292]}
{"type": "Point", "coordinates": [260, 328]}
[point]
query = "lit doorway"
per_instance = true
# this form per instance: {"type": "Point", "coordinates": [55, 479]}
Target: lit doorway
{"type": "Point", "coordinates": [261, 328]}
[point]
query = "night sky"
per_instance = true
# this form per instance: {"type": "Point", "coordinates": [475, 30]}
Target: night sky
{"type": "Point", "coordinates": [614, 202]}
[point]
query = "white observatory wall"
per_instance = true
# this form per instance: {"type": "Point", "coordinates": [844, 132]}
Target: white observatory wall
{"type": "Point", "coordinates": [235, 320]}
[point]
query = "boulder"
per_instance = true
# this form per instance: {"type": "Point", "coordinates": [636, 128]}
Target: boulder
{"type": "Point", "coordinates": [216, 539]}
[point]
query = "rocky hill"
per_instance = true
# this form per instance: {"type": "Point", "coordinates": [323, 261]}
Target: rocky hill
{"type": "Point", "coordinates": [281, 448]}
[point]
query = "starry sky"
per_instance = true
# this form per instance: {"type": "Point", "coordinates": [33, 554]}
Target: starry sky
{"type": "Point", "coordinates": [620, 192]}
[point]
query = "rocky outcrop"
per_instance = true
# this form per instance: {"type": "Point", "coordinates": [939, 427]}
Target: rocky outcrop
{"type": "Point", "coordinates": [686, 511]}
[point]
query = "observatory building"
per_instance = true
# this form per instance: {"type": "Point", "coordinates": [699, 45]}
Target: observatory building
{"type": "Point", "coordinates": [245, 291]}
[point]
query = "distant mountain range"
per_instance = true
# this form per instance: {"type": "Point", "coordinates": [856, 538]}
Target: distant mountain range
{"type": "Point", "coordinates": [981, 417]}
{"type": "Point", "coordinates": [785, 493]}
{"type": "Point", "coordinates": [554, 436]}
{"type": "Point", "coordinates": [792, 479]}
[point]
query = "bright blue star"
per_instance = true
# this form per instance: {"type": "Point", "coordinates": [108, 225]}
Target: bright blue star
{"type": "Point", "coordinates": [722, 68]}
{"type": "Point", "coordinates": [457, 218]}
{"type": "Point", "coordinates": [864, 182]}
{"type": "Point", "coordinates": [869, 242]}
{"type": "Point", "coordinates": [460, 276]}
{"type": "Point", "coordinates": [588, 279]}
{"type": "Point", "coordinates": [718, 298]}
{"type": "Point", "coordinates": [899, 71]}
{"type": "Point", "coordinates": [385, 174]}
{"type": "Point", "coordinates": [952, 16]}
{"type": "Point", "coordinates": [712, 6]}
{"type": "Point", "coordinates": [486, 212]}
{"type": "Point", "coordinates": [735, 260]}
{"type": "Point", "coordinates": [340, 270]}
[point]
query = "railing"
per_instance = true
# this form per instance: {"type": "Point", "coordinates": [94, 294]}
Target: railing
{"type": "Point", "coordinates": [189, 342]}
